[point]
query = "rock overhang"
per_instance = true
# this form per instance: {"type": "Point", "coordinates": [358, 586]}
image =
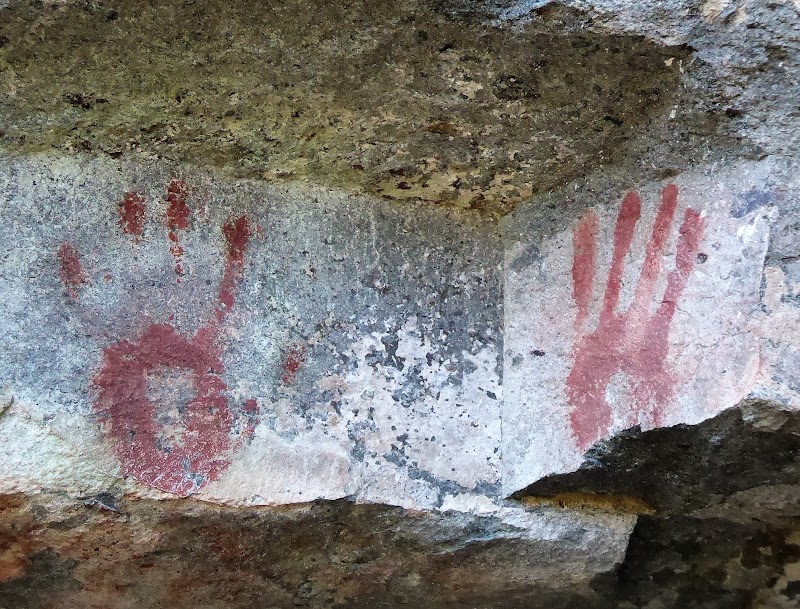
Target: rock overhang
{"type": "Point", "coordinates": [408, 101]}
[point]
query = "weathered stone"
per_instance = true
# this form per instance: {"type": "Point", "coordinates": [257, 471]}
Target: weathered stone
{"type": "Point", "coordinates": [723, 525]}
{"type": "Point", "coordinates": [186, 553]}
{"type": "Point", "coordinates": [665, 331]}
{"type": "Point", "coordinates": [343, 326]}
{"type": "Point", "coordinates": [245, 361]}
{"type": "Point", "coordinates": [396, 99]}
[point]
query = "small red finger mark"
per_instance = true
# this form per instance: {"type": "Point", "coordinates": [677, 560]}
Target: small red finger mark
{"type": "Point", "coordinates": [627, 219]}
{"type": "Point", "coordinates": [251, 411]}
{"type": "Point", "coordinates": [177, 218]}
{"type": "Point", "coordinates": [251, 406]}
{"type": "Point", "coordinates": [651, 267]}
{"type": "Point", "coordinates": [178, 211]}
{"type": "Point", "coordinates": [237, 236]}
{"type": "Point", "coordinates": [690, 235]}
{"type": "Point", "coordinates": [131, 214]}
{"type": "Point", "coordinates": [70, 269]}
{"type": "Point", "coordinates": [584, 258]}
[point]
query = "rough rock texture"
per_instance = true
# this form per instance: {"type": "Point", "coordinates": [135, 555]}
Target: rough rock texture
{"type": "Point", "coordinates": [653, 312]}
{"type": "Point", "coordinates": [324, 554]}
{"type": "Point", "coordinates": [331, 326]}
{"type": "Point", "coordinates": [397, 99]}
{"type": "Point", "coordinates": [721, 497]}
{"type": "Point", "coordinates": [266, 339]}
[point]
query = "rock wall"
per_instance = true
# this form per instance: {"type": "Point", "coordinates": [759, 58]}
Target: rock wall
{"type": "Point", "coordinates": [250, 344]}
{"type": "Point", "coordinates": [448, 303]}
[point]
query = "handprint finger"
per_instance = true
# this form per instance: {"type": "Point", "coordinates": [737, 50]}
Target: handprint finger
{"type": "Point", "coordinates": [131, 215]}
{"type": "Point", "coordinates": [237, 235]}
{"type": "Point", "coordinates": [691, 233]}
{"type": "Point", "coordinates": [70, 269]}
{"type": "Point", "coordinates": [655, 248]}
{"type": "Point", "coordinates": [623, 236]}
{"type": "Point", "coordinates": [584, 240]}
{"type": "Point", "coordinates": [177, 217]}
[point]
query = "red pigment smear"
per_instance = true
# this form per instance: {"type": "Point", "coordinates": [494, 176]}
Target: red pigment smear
{"type": "Point", "coordinates": [651, 267]}
{"type": "Point", "coordinates": [623, 236]}
{"type": "Point", "coordinates": [635, 342]}
{"type": "Point", "coordinates": [143, 449]}
{"type": "Point", "coordinates": [70, 269]}
{"type": "Point", "coordinates": [144, 445]}
{"type": "Point", "coordinates": [583, 262]}
{"type": "Point", "coordinates": [177, 218]}
{"type": "Point", "coordinates": [251, 410]}
{"type": "Point", "coordinates": [294, 359]}
{"type": "Point", "coordinates": [237, 235]}
{"type": "Point", "coordinates": [131, 214]}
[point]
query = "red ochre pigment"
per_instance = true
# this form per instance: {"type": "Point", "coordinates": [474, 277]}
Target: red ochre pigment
{"type": "Point", "coordinates": [635, 342]}
{"type": "Point", "coordinates": [294, 359]}
{"type": "Point", "coordinates": [179, 463]}
{"type": "Point", "coordinates": [237, 235]}
{"type": "Point", "coordinates": [131, 214]}
{"type": "Point", "coordinates": [70, 269]}
{"type": "Point", "coordinates": [177, 218]}
{"type": "Point", "coordinates": [203, 451]}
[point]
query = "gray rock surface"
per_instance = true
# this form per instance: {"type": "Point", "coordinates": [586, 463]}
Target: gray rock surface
{"type": "Point", "coordinates": [437, 303]}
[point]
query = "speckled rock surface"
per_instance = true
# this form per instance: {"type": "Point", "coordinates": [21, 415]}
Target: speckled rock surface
{"type": "Point", "coordinates": [442, 304]}
{"type": "Point", "coordinates": [403, 100]}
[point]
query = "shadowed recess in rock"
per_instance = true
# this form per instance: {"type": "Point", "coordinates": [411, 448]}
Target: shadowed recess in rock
{"type": "Point", "coordinates": [324, 554]}
{"type": "Point", "coordinates": [719, 504]}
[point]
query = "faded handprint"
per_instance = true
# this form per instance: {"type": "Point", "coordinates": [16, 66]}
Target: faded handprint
{"type": "Point", "coordinates": [161, 393]}
{"type": "Point", "coordinates": [633, 344]}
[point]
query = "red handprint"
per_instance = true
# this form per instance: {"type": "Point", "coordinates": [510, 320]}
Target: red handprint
{"type": "Point", "coordinates": [181, 450]}
{"type": "Point", "coordinates": [633, 343]}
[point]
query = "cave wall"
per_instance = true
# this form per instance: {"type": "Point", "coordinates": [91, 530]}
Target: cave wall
{"type": "Point", "coordinates": [442, 303]}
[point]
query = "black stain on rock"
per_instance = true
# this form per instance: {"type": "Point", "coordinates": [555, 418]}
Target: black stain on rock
{"type": "Point", "coordinates": [750, 201]}
{"type": "Point", "coordinates": [46, 577]}
{"type": "Point", "coordinates": [725, 498]}
{"type": "Point", "coordinates": [693, 563]}
{"type": "Point", "coordinates": [529, 256]}
{"type": "Point", "coordinates": [511, 87]}
{"type": "Point", "coordinates": [792, 589]}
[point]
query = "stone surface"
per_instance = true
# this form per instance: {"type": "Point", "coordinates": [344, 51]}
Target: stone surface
{"type": "Point", "coordinates": [98, 550]}
{"type": "Point", "coordinates": [645, 314]}
{"type": "Point", "coordinates": [266, 340]}
{"type": "Point", "coordinates": [354, 349]}
{"type": "Point", "coordinates": [723, 512]}
{"type": "Point", "coordinates": [398, 99]}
